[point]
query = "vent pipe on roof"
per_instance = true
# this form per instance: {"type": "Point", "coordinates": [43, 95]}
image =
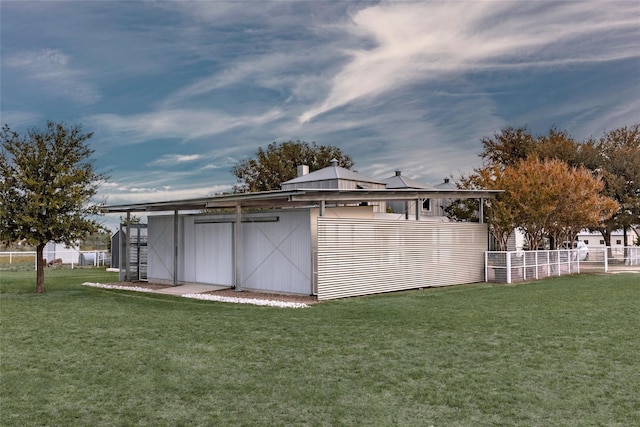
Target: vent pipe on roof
{"type": "Point", "coordinates": [333, 162]}
{"type": "Point", "coordinates": [398, 173]}
{"type": "Point", "coordinates": [303, 170]}
{"type": "Point", "coordinates": [446, 180]}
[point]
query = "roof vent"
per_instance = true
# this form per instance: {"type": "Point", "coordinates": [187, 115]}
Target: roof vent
{"type": "Point", "coordinates": [398, 173]}
{"type": "Point", "coordinates": [303, 170]}
{"type": "Point", "coordinates": [446, 180]}
{"type": "Point", "coordinates": [333, 162]}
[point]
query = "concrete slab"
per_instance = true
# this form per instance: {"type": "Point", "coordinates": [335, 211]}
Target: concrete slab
{"type": "Point", "coordinates": [189, 289]}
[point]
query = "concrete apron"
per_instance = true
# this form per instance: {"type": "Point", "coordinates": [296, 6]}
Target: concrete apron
{"type": "Point", "coordinates": [189, 289]}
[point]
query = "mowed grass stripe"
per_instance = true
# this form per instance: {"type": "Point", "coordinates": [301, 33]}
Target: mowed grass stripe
{"type": "Point", "coordinates": [561, 352]}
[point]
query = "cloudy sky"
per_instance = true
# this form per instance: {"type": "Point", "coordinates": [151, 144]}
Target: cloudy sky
{"type": "Point", "coordinates": [178, 92]}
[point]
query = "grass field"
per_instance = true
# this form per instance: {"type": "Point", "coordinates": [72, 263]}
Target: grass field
{"type": "Point", "coordinates": [556, 352]}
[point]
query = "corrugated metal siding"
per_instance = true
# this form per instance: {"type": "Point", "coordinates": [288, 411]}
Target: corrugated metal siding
{"type": "Point", "coordinates": [361, 257]}
{"type": "Point", "coordinates": [214, 253]}
{"type": "Point", "coordinates": [276, 256]}
{"type": "Point", "coordinates": [160, 248]}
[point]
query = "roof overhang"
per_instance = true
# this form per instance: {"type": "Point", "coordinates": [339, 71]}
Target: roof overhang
{"type": "Point", "coordinates": [300, 197]}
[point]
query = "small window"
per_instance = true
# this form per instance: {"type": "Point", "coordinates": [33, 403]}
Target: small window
{"type": "Point", "coordinates": [602, 242]}
{"type": "Point", "coordinates": [586, 242]}
{"type": "Point", "coordinates": [618, 242]}
{"type": "Point", "coordinates": [426, 204]}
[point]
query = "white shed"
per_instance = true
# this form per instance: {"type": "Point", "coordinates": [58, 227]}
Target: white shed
{"type": "Point", "coordinates": [323, 234]}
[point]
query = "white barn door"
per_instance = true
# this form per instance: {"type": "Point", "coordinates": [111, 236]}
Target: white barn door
{"type": "Point", "coordinates": [214, 253]}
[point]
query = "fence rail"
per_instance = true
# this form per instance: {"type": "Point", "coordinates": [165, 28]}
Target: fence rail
{"type": "Point", "coordinates": [519, 266]}
{"type": "Point", "coordinates": [70, 258]}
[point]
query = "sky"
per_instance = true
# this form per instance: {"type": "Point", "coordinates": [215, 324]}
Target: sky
{"type": "Point", "coordinates": [177, 93]}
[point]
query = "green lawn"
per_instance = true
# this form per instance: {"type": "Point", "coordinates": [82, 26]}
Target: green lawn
{"type": "Point", "coordinates": [557, 352]}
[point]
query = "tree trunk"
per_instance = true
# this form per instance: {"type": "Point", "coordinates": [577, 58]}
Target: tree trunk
{"type": "Point", "coordinates": [40, 268]}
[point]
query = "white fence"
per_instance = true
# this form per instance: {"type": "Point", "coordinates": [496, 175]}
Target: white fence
{"type": "Point", "coordinates": [519, 266]}
{"type": "Point", "coordinates": [72, 258]}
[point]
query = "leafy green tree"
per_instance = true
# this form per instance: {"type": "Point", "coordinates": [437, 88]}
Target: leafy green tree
{"type": "Point", "coordinates": [512, 145]}
{"type": "Point", "coordinates": [617, 158]}
{"type": "Point", "coordinates": [278, 163]}
{"type": "Point", "coordinates": [507, 147]}
{"type": "Point", "coordinates": [47, 183]}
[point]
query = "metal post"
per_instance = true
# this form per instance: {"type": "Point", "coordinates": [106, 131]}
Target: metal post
{"type": "Point", "coordinates": [418, 209]}
{"type": "Point", "coordinates": [606, 260]}
{"type": "Point", "coordinates": [127, 250]}
{"type": "Point", "coordinates": [481, 211]}
{"type": "Point", "coordinates": [321, 207]}
{"type": "Point", "coordinates": [508, 267]}
{"type": "Point", "coordinates": [175, 247]}
{"type": "Point", "coordinates": [237, 249]}
{"type": "Point", "coordinates": [486, 266]}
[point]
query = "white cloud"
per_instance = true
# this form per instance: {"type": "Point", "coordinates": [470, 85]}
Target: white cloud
{"type": "Point", "coordinates": [428, 41]}
{"type": "Point", "coordinates": [19, 118]}
{"type": "Point", "coordinates": [169, 159]}
{"type": "Point", "coordinates": [122, 194]}
{"type": "Point", "coordinates": [53, 68]}
{"type": "Point", "coordinates": [176, 123]}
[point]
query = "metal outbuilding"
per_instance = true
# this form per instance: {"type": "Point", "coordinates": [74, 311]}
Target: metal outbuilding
{"type": "Point", "coordinates": [328, 242]}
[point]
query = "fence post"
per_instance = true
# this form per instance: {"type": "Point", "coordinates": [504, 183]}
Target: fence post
{"type": "Point", "coordinates": [10, 254]}
{"type": "Point", "coordinates": [536, 265]}
{"type": "Point", "coordinates": [606, 260]}
{"type": "Point", "coordinates": [508, 266]}
{"type": "Point", "coordinates": [548, 264]}
{"type": "Point", "coordinates": [524, 267]}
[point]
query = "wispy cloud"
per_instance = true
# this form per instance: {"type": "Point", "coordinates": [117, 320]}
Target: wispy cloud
{"type": "Point", "coordinates": [19, 118]}
{"type": "Point", "coordinates": [428, 41]}
{"type": "Point", "coordinates": [53, 69]}
{"type": "Point", "coordinates": [183, 124]}
{"type": "Point", "coordinates": [137, 194]}
{"type": "Point", "coordinates": [170, 159]}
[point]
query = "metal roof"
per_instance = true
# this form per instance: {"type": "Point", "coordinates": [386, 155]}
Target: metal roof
{"type": "Point", "coordinates": [332, 172]}
{"type": "Point", "coordinates": [299, 198]}
{"type": "Point", "coordinates": [399, 181]}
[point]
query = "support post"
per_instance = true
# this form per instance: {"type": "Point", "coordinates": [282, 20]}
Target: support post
{"type": "Point", "coordinates": [418, 207]}
{"type": "Point", "coordinates": [481, 211]}
{"type": "Point", "coordinates": [322, 207]}
{"type": "Point", "coordinates": [237, 249]}
{"type": "Point", "coordinates": [175, 247]}
{"type": "Point", "coordinates": [127, 250]}
{"type": "Point", "coordinates": [486, 266]}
